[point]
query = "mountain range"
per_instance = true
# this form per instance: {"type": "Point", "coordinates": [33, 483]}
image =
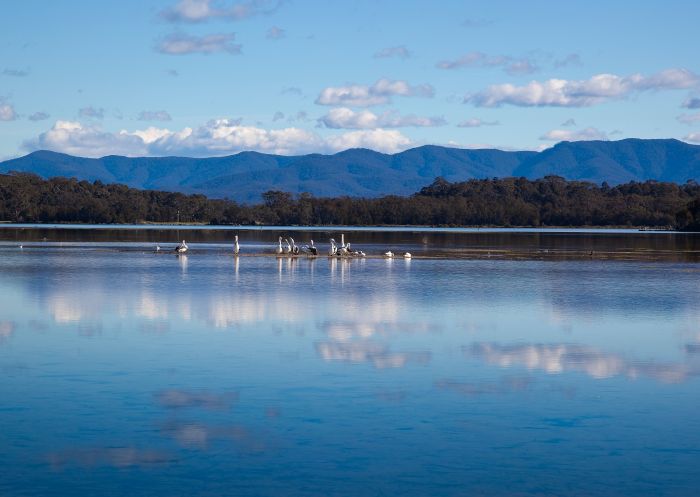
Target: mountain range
{"type": "Point", "coordinates": [366, 173]}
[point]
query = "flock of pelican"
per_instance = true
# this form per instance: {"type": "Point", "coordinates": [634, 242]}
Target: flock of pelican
{"type": "Point", "coordinates": [290, 248]}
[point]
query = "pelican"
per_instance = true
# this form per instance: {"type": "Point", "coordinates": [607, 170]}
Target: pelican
{"type": "Point", "coordinates": [334, 248]}
{"type": "Point", "coordinates": [157, 248]}
{"type": "Point", "coordinates": [278, 250]}
{"type": "Point", "coordinates": [407, 255]}
{"type": "Point", "coordinates": [389, 254]}
{"type": "Point", "coordinates": [288, 248]}
{"type": "Point", "coordinates": [355, 253]}
{"type": "Point", "coordinates": [295, 248]}
{"type": "Point", "coordinates": [236, 247]}
{"type": "Point", "coordinates": [343, 249]}
{"type": "Point", "coordinates": [182, 248]}
{"type": "Point", "coordinates": [312, 248]}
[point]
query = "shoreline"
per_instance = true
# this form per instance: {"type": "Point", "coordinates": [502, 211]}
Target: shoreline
{"type": "Point", "coordinates": [335, 228]}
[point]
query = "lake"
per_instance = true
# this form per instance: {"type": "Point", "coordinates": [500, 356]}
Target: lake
{"type": "Point", "coordinates": [516, 362]}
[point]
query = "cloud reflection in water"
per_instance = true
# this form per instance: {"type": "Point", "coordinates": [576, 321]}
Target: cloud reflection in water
{"type": "Point", "coordinates": [376, 354]}
{"type": "Point", "coordinates": [559, 358]}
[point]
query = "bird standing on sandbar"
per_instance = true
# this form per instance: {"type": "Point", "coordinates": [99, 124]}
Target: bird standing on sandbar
{"type": "Point", "coordinates": [182, 248]}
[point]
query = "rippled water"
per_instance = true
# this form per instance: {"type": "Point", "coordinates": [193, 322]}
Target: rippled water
{"type": "Point", "coordinates": [126, 372]}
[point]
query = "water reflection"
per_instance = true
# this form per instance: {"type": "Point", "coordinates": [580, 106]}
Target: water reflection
{"type": "Point", "coordinates": [504, 385]}
{"type": "Point", "coordinates": [200, 436]}
{"type": "Point", "coordinates": [560, 358]}
{"type": "Point", "coordinates": [380, 356]}
{"type": "Point", "coordinates": [300, 375]}
{"type": "Point", "coordinates": [117, 457]}
{"type": "Point", "coordinates": [179, 399]}
{"type": "Point", "coordinates": [7, 328]}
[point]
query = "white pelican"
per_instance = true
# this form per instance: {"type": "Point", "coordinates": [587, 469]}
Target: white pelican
{"type": "Point", "coordinates": [407, 255]}
{"type": "Point", "coordinates": [236, 247]}
{"type": "Point", "coordinates": [313, 249]}
{"type": "Point", "coordinates": [278, 249]}
{"type": "Point", "coordinates": [389, 254]}
{"type": "Point", "coordinates": [295, 249]}
{"type": "Point", "coordinates": [334, 249]}
{"type": "Point", "coordinates": [182, 248]}
{"type": "Point", "coordinates": [343, 249]}
{"type": "Point", "coordinates": [288, 248]}
{"type": "Point", "coordinates": [157, 248]}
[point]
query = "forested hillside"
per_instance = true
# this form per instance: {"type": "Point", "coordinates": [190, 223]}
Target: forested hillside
{"type": "Point", "coordinates": [551, 201]}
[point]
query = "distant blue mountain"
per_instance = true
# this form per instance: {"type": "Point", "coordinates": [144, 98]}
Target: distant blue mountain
{"type": "Point", "coordinates": [361, 172]}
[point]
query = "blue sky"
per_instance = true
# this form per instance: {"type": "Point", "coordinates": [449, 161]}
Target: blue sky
{"type": "Point", "coordinates": [199, 78]}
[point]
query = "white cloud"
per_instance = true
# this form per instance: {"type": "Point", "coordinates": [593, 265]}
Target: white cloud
{"type": "Point", "coordinates": [693, 137]}
{"type": "Point", "coordinates": [154, 115]}
{"type": "Point", "coordinates": [569, 135]}
{"type": "Point", "coordinates": [344, 118]}
{"type": "Point", "coordinates": [382, 140]}
{"type": "Point", "coordinates": [7, 111]}
{"type": "Point", "coordinates": [215, 138]}
{"type": "Point", "coordinates": [195, 11]}
{"type": "Point", "coordinates": [582, 93]}
{"type": "Point", "coordinates": [377, 94]}
{"type": "Point", "coordinates": [400, 52]}
{"type": "Point", "coordinates": [76, 139]}
{"type": "Point", "coordinates": [510, 65]}
{"type": "Point", "coordinates": [476, 123]}
{"type": "Point", "coordinates": [183, 44]}
{"type": "Point", "coordinates": [92, 112]}
{"type": "Point", "coordinates": [275, 33]}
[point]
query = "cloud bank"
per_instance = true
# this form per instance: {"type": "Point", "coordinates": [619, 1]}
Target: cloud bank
{"type": "Point", "coordinates": [581, 93]}
{"type": "Point", "coordinates": [379, 93]}
{"type": "Point", "coordinates": [184, 44]}
{"type": "Point", "coordinates": [215, 138]}
{"type": "Point", "coordinates": [344, 118]}
{"type": "Point", "coordinates": [198, 11]}
{"type": "Point", "coordinates": [559, 135]}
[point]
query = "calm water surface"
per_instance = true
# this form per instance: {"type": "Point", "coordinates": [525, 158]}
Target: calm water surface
{"type": "Point", "coordinates": [126, 372]}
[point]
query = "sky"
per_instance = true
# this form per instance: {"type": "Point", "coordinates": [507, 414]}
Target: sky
{"type": "Point", "coordinates": [216, 77]}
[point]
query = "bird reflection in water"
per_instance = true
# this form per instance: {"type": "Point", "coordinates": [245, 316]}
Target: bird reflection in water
{"type": "Point", "coordinates": [182, 259]}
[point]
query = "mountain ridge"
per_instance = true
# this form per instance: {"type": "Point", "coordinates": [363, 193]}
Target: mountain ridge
{"type": "Point", "coordinates": [362, 172]}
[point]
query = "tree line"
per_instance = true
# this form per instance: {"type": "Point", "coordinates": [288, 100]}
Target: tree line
{"type": "Point", "coordinates": [550, 201]}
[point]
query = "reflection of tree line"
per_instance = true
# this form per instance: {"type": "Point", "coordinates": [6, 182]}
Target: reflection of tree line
{"type": "Point", "coordinates": [551, 201]}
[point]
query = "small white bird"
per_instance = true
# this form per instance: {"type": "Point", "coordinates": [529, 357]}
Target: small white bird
{"type": "Point", "coordinates": [389, 254]}
{"type": "Point", "coordinates": [236, 247]}
{"type": "Point", "coordinates": [407, 255]}
{"type": "Point", "coordinates": [182, 248]}
{"type": "Point", "coordinates": [278, 249]}
{"type": "Point", "coordinates": [157, 248]}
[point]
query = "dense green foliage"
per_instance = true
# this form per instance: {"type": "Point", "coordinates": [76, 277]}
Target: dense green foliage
{"type": "Point", "coordinates": [551, 201]}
